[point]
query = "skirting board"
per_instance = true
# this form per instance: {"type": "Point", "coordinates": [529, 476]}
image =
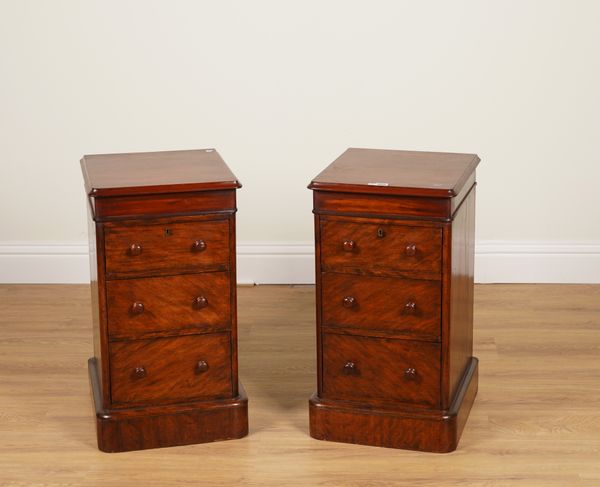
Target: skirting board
{"type": "Point", "coordinates": [293, 263]}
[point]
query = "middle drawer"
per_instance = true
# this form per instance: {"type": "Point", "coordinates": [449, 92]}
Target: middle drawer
{"type": "Point", "coordinates": [397, 306]}
{"type": "Point", "coordinates": [141, 306]}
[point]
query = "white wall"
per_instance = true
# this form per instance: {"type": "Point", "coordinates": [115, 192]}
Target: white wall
{"type": "Point", "coordinates": [280, 89]}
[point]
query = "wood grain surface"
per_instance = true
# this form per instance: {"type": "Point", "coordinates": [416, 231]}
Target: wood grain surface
{"type": "Point", "coordinates": [188, 303]}
{"type": "Point", "coordinates": [374, 246]}
{"type": "Point", "coordinates": [535, 421]}
{"type": "Point", "coordinates": [156, 172]}
{"type": "Point", "coordinates": [389, 206]}
{"type": "Point", "coordinates": [171, 370]}
{"type": "Point", "coordinates": [156, 205]}
{"type": "Point", "coordinates": [146, 249]}
{"type": "Point", "coordinates": [367, 304]}
{"type": "Point", "coordinates": [364, 370]}
{"type": "Point", "coordinates": [440, 174]}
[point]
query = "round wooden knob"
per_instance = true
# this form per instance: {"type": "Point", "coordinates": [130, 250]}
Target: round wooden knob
{"type": "Point", "coordinates": [201, 366]}
{"type": "Point", "coordinates": [349, 245]}
{"type": "Point", "coordinates": [350, 368]}
{"type": "Point", "coordinates": [199, 246]}
{"type": "Point", "coordinates": [200, 302]}
{"type": "Point", "coordinates": [410, 374]}
{"type": "Point", "coordinates": [137, 308]}
{"type": "Point", "coordinates": [410, 307]}
{"type": "Point", "coordinates": [349, 302]}
{"type": "Point", "coordinates": [139, 373]}
{"type": "Point", "coordinates": [135, 249]}
{"type": "Point", "coordinates": [411, 250]}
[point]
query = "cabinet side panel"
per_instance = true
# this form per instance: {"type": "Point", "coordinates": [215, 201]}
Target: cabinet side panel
{"type": "Point", "coordinates": [94, 287]}
{"type": "Point", "coordinates": [319, 303]}
{"type": "Point", "coordinates": [97, 286]}
{"type": "Point", "coordinates": [233, 284]}
{"type": "Point", "coordinates": [460, 347]}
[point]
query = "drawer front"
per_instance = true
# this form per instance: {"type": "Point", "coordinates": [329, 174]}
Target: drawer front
{"type": "Point", "coordinates": [171, 369]}
{"type": "Point", "coordinates": [404, 306]}
{"type": "Point", "coordinates": [168, 247]}
{"type": "Point", "coordinates": [376, 369]}
{"type": "Point", "coordinates": [138, 306]}
{"type": "Point", "coordinates": [371, 246]}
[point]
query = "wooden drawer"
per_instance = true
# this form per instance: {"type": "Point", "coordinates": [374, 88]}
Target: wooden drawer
{"type": "Point", "coordinates": [369, 246]}
{"type": "Point", "coordinates": [374, 369]}
{"type": "Point", "coordinates": [171, 369]}
{"type": "Point", "coordinates": [147, 249]}
{"type": "Point", "coordinates": [153, 304]}
{"type": "Point", "coordinates": [393, 305]}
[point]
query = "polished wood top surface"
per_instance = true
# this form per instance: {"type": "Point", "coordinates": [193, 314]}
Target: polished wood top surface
{"type": "Point", "coordinates": [156, 172]}
{"type": "Point", "coordinates": [437, 174]}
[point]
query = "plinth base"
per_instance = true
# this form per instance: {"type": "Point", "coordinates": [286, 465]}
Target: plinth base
{"type": "Point", "coordinates": [121, 430]}
{"type": "Point", "coordinates": [427, 430]}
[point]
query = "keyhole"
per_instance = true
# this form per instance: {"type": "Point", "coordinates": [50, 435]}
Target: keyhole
{"type": "Point", "coordinates": [168, 232]}
{"type": "Point", "coordinates": [380, 232]}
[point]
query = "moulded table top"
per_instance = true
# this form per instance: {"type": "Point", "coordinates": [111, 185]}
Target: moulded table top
{"type": "Point", "coordinates": [156, 172]}
{"type": "Point", "coordinates": [437, 174]}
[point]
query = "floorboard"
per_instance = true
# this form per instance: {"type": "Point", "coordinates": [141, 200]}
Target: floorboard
{"type": "Point", "coordinates": [536, 421]}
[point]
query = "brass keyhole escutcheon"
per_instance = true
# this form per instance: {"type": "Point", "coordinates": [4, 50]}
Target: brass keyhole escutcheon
{"type": "Point", "coordinates": [380, 233]}
{"type": "Point", "coordinates": [168, 232]}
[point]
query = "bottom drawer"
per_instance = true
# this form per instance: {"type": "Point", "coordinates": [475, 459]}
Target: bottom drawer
{"type": "Point", "coordinates": [363, 369]}
{"type": "Point", "coordinates": [167, 370]}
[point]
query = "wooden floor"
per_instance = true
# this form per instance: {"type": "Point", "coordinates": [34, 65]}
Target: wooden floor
{"type": "Point", "coordinates": [536, 421]}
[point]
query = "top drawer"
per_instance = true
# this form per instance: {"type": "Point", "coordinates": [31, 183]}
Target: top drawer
{"type": "Point", "coordinates": [380, 247]}
{"type": "Point", "coordinates": [147, 249]}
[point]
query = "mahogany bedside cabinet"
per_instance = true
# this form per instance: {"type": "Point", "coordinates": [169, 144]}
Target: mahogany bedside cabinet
{"type": "Point", "coordinates": [162, 245]}
{"type": "Point", "coordinates": [394, 235]}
